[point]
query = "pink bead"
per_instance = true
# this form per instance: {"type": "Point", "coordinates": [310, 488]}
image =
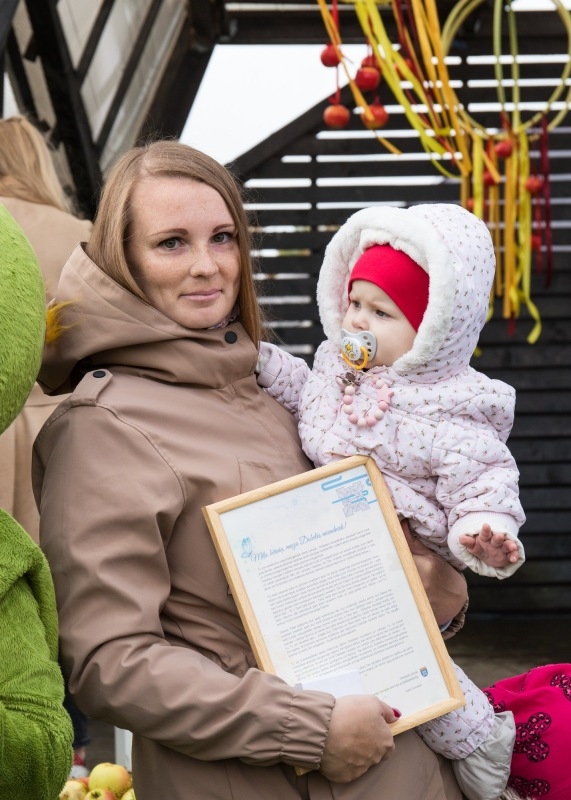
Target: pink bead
{"type": "Point", "coordinates": [354, 419]}
{"type": "Point", "coordinates": [347, 400]}
{"type": "Point", "coordinates": [371, 420]}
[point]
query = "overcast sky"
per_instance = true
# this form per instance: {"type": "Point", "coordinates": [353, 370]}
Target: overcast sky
{"type": "Point", "coordinates": [249, 92]}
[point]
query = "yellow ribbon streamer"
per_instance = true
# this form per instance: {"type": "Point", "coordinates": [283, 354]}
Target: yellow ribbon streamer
{"type": "Point", "coordinates": [447, 131]}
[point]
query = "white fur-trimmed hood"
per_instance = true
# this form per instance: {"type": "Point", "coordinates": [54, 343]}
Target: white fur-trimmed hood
{"type": "Point", "coordinates": [456, 250]}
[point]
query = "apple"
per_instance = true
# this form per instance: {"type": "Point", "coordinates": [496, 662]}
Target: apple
{"type": "Point", "coordinates": [73, 790]}
{"type": "Point", "coordinates": [367, 78]}
{"type": "Point", "coordinates": [100, 794]}
{"type": "Point", "coordinates": [129, 795]}
{"type": "Point", "coordinates": [329, 57]}
{"type": "Point", "coordinates": [376, 117]}
{"type": "Point", "coordinates": [111, 777]}
{"type": "Point", "coordinates": [336, 116]}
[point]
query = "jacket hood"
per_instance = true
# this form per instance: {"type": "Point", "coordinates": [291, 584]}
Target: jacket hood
{"type": "Point", "coordinates": [107, 326]}
{"type": "Point", "coordinates": [456, 250]}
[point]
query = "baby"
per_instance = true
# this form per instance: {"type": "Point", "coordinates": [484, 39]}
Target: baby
{"type": "Point", "coordinates": [403, 295]}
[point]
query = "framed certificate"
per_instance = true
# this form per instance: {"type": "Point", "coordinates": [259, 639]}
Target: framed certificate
{"type": "Point", "coordinates": [328, 591]}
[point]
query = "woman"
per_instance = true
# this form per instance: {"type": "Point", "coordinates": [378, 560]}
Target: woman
{"type": "Point", "coordinates": [166, 417]}
{"type": "Point", "coordinates": [32, 193]}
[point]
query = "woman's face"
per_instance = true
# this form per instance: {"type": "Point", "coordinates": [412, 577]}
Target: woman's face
{"type": "Point", "coordinates": [182, 250]}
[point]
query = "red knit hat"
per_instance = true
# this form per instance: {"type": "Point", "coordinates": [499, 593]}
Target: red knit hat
{"type": "Point", "coordinates": [541, 704]}
{"type": "Point", "coordinates": [405, 281]}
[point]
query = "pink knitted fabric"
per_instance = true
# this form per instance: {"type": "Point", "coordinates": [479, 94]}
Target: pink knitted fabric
{"type": "Point", "coordinates": [541, 704]}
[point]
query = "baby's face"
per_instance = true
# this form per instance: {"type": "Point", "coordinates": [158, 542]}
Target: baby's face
{"type": "Point", "coordinates": [371, 309]}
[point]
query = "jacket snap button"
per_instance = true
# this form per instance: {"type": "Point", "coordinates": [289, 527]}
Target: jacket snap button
{"type": "Point", "coordinates": [231, 337]}
{"type": "Point", "coordinates": [99, 373]}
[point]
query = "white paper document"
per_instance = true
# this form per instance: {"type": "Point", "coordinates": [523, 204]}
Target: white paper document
{"type": "Point", "coordinates": [332, 602]}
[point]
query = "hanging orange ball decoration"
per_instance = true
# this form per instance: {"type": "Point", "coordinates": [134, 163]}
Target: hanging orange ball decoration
{"type": "Point", "coordinates": [329, 57]}
{"type": "Point", "coordinates": [370, 61]}
{"type": "Point", "coordinates": [376, 117]}
{"type": "Point", "coordinates": [534, 184]}
{"type": "Point", "coordinates": [489, 179]}
{"type": "Point", "coordinates": [367, 78]}
{"type": "Point", "coordinates": [504, 148]}
{"type": "Point", "coordinates": [336, 116]}
{"type": "Point", "coordinates": [535, 242]}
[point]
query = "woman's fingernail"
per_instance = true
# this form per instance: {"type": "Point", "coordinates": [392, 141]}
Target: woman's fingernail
{"type": "Point", "coordinates": [397, 713]}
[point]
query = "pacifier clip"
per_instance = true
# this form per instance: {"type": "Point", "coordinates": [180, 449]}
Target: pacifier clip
{"type": "Point", "coordinates": [373, 414]}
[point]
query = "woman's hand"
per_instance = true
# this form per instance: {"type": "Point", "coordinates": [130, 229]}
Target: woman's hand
{"type": "Point", "coordinates": [446, 587]}
{"type": "Point", "coordinates": [358, 738]}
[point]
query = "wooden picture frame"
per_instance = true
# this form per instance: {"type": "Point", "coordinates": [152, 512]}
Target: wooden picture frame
{"type": "Point", "coordinates": [328, 591]}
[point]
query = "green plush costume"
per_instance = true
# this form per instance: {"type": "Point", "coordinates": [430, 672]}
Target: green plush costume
{"type": "Point", "coordinates": [35, 730]}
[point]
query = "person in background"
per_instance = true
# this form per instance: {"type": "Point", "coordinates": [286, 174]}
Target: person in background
{"type": "Point", "coordinates": [159, 348]}
{"type": "Point", "coordinates": [32, 193]}
{"type": "Point", "coordinates": [35, 730]}
{"type": "Point", "coordinates": [403, 295]}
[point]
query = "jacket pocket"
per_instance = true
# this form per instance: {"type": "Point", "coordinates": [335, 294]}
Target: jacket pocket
{"type": "Point", "coordinates": [254, 474]}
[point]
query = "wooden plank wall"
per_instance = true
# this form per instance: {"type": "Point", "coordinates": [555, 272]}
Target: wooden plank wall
{"type": "Point", "coordinates": [305, 181]}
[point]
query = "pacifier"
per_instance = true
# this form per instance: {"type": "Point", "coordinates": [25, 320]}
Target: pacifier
{"type": "Point", "coordinates": [357, 349]}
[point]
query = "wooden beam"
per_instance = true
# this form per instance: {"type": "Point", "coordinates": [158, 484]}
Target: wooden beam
{"type": "Point", "coordinates": [293, 22]}
{"type": "Point", "coordinates": [7, 11]}
{"type": "Point", "coordinates": [64, 87]}
{"type": "Point", "coordinates": [93, 39]}
{"type": "Point", "coordinates": [129, 70]}
{"type": "Point", "coordinates": [18, 78]}
{"type": "Point", "coordinates": [182, 78]}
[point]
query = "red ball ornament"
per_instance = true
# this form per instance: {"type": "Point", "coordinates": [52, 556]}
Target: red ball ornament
{"type": "Point", "coordinates": [504, 148]}
{"type": "Point", "coordinates": [536, 242]}
{"type": "Point", "coordinates": [534, 184]}
{"type": "Point", "coordinates": [370, 61]}
{"type": "Point", "coordinates": [376, 117]}
{"type": "Point", "coordinates": [367, 78]}
{"type": "Point", "coordinates": [336, 116]}
{"type": "Point", "coordinates": [329, 57]}
{"type": "Point", "coordinates": [489, 179]}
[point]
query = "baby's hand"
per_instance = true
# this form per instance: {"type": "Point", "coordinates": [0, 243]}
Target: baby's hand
{"type": "Point", "coordinates": [495, 549]}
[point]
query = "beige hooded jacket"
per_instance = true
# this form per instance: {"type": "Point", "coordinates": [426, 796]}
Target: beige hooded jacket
{"type": "Point", "coordinates": [163, 421]}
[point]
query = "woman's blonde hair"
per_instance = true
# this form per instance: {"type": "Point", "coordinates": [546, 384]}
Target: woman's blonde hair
{"type": "Point", "coordinates": [165, 158]}
{"type": "Point", "coordinates": [26, 167]}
